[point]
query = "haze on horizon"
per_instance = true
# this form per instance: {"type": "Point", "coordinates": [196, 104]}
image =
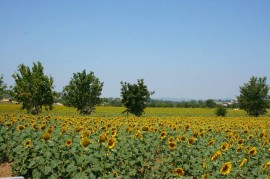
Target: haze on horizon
{"type": "Point", "coordinates": [183, 49]}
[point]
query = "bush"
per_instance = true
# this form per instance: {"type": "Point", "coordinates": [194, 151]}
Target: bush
{"type": "Point", "coordinates": [221, 111]}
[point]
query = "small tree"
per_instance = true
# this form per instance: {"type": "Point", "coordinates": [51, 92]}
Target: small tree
{"type": "Point", "coordinates": [210, 103]}
{"type": "Point", "coordinates": [3, 86]}
{"type": "Point", "coordinates": [254, 98]}
{"type": "Point", "coordinates": [135, 97]}
{"type": "Point", "coordinates": [221, 111]}
{"type": "Point", "coordinates": [83, 92]}
{"type": "Point", "coordinates": [32, 88]}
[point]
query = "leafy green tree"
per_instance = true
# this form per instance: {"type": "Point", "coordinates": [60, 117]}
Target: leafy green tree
{"type": "Point", "coordinates": [210, 103]}
{"type": "Point", "coordinates": [254, 98]}
{"type": "Point", "coordinates": [32, 88]}
{"type": "Point", "coordinates": [2, 86]}
{"type": "Point", "coordinates": [135, 97]}
{"type": "Point", "coordinates": [221, 111]}
{"type": "Point", "coordinates": [83, 92]}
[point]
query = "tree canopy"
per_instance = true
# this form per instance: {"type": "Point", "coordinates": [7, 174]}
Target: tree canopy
{"type": "Point", "coordinates": [2, 86]}
{"type": "Point", "coordinates": [83, 92]}
{"type": "Point", "coordinates": [32, 88]}
{"type": "Point", "coordinates": [254, 98]}
{"type": "Point", "coordinates": [135, 97]}
{"type": "Point", "coordinates": [210, 103]}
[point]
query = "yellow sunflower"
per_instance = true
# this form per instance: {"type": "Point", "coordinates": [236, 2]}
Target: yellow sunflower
{"type": "Point", "coordinates": [180, 138]}
{"type": "Point", "coordinates": [114, 132]}
{"type": "Point", "coordinates": [243, 162]}
{"type": "Point", "coordinates": [115, 174]}
{"type": "Point", "coordinates": [27, 143]}
{"type": "Point", "coordinates": [163, 134]}
{"type": "Point", "coordinates": [226, 168]}
{"type": "Point", "coordinates": [172, 145]}
{"type": "Point", "coordinates": [252, 151]}
{"type": "Point", "coordinates": [68, 143]}
{"type": "Point", "coordinates": [205, 176]}
{"type": "Point", "coordinates": [239, 148]}
{"type": "Point", "coordinates": [170, 139]}
{"type": "Point", "coordinates": [191, 140]}
{"type": "Point", "coordinates": [211, 142]}
{"type": "Point", "coordinates": [46, 136]}
{"type": "Point", "coordinates": [224, 146]}
{"type": "Point", "coordinates": [20, 128]}
{"type": "Point", "coordinates": [179, 171]}
{"type": "Point", "coordinates": [85, 142]}
{"type": "Point", "coordinates": [250, 136]}
{"type": "Point", "coordinates": [102, 138]}
{"type": "Point", "coordinates": [86, 133]}
{"type": "Point", "coordinates": [216, 155]}
{"type": "Point", "coordinates": [241, 141]}
{"type": "Point", "coordinates": [266, 165]}
{"type": "Point", "coordinates": [111, 143]}
{"type": "Point", "coordinates": [204, 165]}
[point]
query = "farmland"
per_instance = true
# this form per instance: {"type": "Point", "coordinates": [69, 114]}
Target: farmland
{"type": "Point", "coordinates": [164, 143]}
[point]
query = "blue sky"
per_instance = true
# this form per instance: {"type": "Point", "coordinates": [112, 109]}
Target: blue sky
{"type": "Point", "coordinates": [183, 49]}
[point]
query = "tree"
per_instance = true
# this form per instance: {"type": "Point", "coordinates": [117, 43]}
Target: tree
{"type": "Point", "coordinates": [32, 88]}
{"type": "Point", "coordinates": [135, 97]}
{"type": "Point", "coordinates": [210, 103]}
{"type": "Point", "coordinates": [2, 86]}
{"type": "Point", "coordinates": [83, 92]}
{"type": "Point", "coordinates": [254, 98]}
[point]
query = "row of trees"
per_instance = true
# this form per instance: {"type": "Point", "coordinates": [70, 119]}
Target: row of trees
{"type": "Point", "coordinates": [33, 89]}
{"type": "Point", "coordinates": [172, 104]}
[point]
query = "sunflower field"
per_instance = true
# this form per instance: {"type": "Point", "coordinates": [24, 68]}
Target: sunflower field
{"type": "Point", "coordinates": [63, 144]}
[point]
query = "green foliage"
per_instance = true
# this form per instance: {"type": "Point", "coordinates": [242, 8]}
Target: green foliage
{"type": "Point", "coordinates": [254, 98]}
{"type": "Point", "coordinates": [2, 86]}
{"type": "Point", "coordinates": [210, 103]}
{"type": "Point", "coordinates": [221, 111]}
{"type": "Point", "coordinates": [83, 92]}
{"type": "Point", "coordinates": [135, 97]}
{"type": "Point", "coordinates": [33, 89]}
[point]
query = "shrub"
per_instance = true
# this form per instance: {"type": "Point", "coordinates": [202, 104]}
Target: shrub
{"type": "Point", "coordinates": [221, 111]}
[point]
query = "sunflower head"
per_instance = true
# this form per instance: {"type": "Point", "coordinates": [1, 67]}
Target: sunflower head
{"type": "Point", "coordinates": [242, 163]}
{"type": "Point", "coordinates": [205, 176]}
{"type": "Point", "coordinates": [191, 140]}
{"type": "Point", "coordinates": [241, 141]}
{"type": "Point", "coordinates": [216, 155]}
{"type": "Point", "coordinates": [145, 128]}
{"type": "Point", "coordinates": [226, 168]}
{"type": "Point", "coordinates": [170, 139]}
{"type": "Point", "coordinates": [85, 142]}
{"type": "Point", "coordinates": [20, 128]}
{"type": "Point", "coordinates": [27, 143]}
{"type": "Point", "coordinates": [68, 143]}
{"type": "Point", "coordinates": [46, 136]}
{"type": "Point", "coordinates": [111, 143]}
{"type": "Point", "coordinates": [179, 171]}
{"type": "Point", "coordinates": [252, 151]}
{"type": "Point", "coordinates": [114, 132]}
{"type": "Point", "coordinates": [172, 145]}
{"type": "Point", "coordinates": [211, 142]}
{"type": "Point", "coordinates": [250, 136]}
{"type": "Point", "coordinates": [266, 165]}
{"type": "Point", "coordinates": [239, 148]}
{"type": "Point", "coordinates": [224, 146]}
{"type": "Point", "coordinates": [102, 138]}
{"type": "Point", "coordinates": [86, 133]}
{"type": "Point", "coordinates": [163, 134]}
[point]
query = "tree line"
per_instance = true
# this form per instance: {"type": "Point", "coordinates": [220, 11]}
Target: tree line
{"type": "Point", "coordinates": [33, 89]}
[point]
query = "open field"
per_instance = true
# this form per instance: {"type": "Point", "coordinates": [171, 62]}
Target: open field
{"type": "Point", "coordinates": [165, 143]}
